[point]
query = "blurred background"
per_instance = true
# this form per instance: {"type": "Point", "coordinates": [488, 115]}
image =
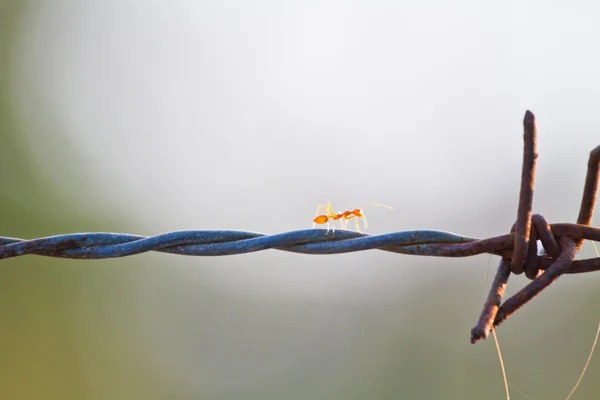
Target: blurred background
{"type": "Point", "coordinates": [146, 117]}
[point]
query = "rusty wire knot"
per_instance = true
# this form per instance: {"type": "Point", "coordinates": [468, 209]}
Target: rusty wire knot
{"type": "Point", "coordinates": [555, 259]}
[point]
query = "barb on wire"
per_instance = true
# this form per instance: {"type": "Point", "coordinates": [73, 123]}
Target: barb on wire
{"type": "Point", "coordinates": [518, 250]}
{"type": "Point", "coordinates": [523, 224]}
{"type": "Point", "coordinates": [526, 257]}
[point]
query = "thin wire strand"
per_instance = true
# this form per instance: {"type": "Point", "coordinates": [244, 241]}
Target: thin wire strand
{"type": "Point", "coordinates": [501, 364]}
{"type": "Point", "coordinates": [587, 363]}
{"type": "Point", "coordinates": [520, 392]}
{"type": "Point", "coordinates": [502, 368]}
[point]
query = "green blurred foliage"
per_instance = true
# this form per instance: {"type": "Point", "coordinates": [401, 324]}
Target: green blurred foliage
{"type": "Point", "coordinates": [51, 335]}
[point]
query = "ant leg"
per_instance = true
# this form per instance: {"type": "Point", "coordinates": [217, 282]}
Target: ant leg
{"type": "Point", "coordinates": [339, 217]}
{"type": "Point", "coordinates": [348, 217]}
{"type": "Point", "coordinates": [321, 207]}
{"type": "Point", "coordinates": [333, 217]}
{"type": "Point", "coordinates": [365, 218]}
{"type": "Point", "coordinates": [330, 209]}
{"type": "Point", "coordinates": [357, 226]}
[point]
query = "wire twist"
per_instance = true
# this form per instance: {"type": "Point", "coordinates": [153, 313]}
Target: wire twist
{"type": "Point", "coordinates": [308, 241]}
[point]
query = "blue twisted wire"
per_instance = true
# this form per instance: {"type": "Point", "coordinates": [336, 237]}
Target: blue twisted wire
{"type": "Point", "coordinates": [222, 243]}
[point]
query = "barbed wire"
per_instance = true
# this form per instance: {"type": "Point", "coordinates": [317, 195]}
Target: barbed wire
{"type": "Point", "coordinates": [308, 241]}
{"type": "Point", "coordinates": [518, 250]}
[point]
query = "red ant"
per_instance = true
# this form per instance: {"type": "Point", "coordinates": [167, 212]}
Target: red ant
{"type": "Point", "coordinates": [329, 214]}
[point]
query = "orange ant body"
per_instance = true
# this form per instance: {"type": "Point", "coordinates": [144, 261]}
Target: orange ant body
{"type": "Point", "coordinates": [345, 216]}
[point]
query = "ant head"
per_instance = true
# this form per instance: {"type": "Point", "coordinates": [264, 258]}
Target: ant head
{"type": "Point", "coordinates": [358, 212]}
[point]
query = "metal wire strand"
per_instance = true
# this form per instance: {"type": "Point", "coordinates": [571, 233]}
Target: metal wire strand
{"type": "Point", "coordinates": [309, 241]}
{"type": "Point", "coordinates": [222, 243]}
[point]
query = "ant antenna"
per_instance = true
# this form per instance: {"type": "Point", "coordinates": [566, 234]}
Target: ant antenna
{"type": "Point", "coordinates": [379, 205]}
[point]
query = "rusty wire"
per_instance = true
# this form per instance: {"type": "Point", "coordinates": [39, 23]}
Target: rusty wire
{"type": "Point", "coordinates": [518, 250]}
{"type": "Point", "coordinates": [528, 229]}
